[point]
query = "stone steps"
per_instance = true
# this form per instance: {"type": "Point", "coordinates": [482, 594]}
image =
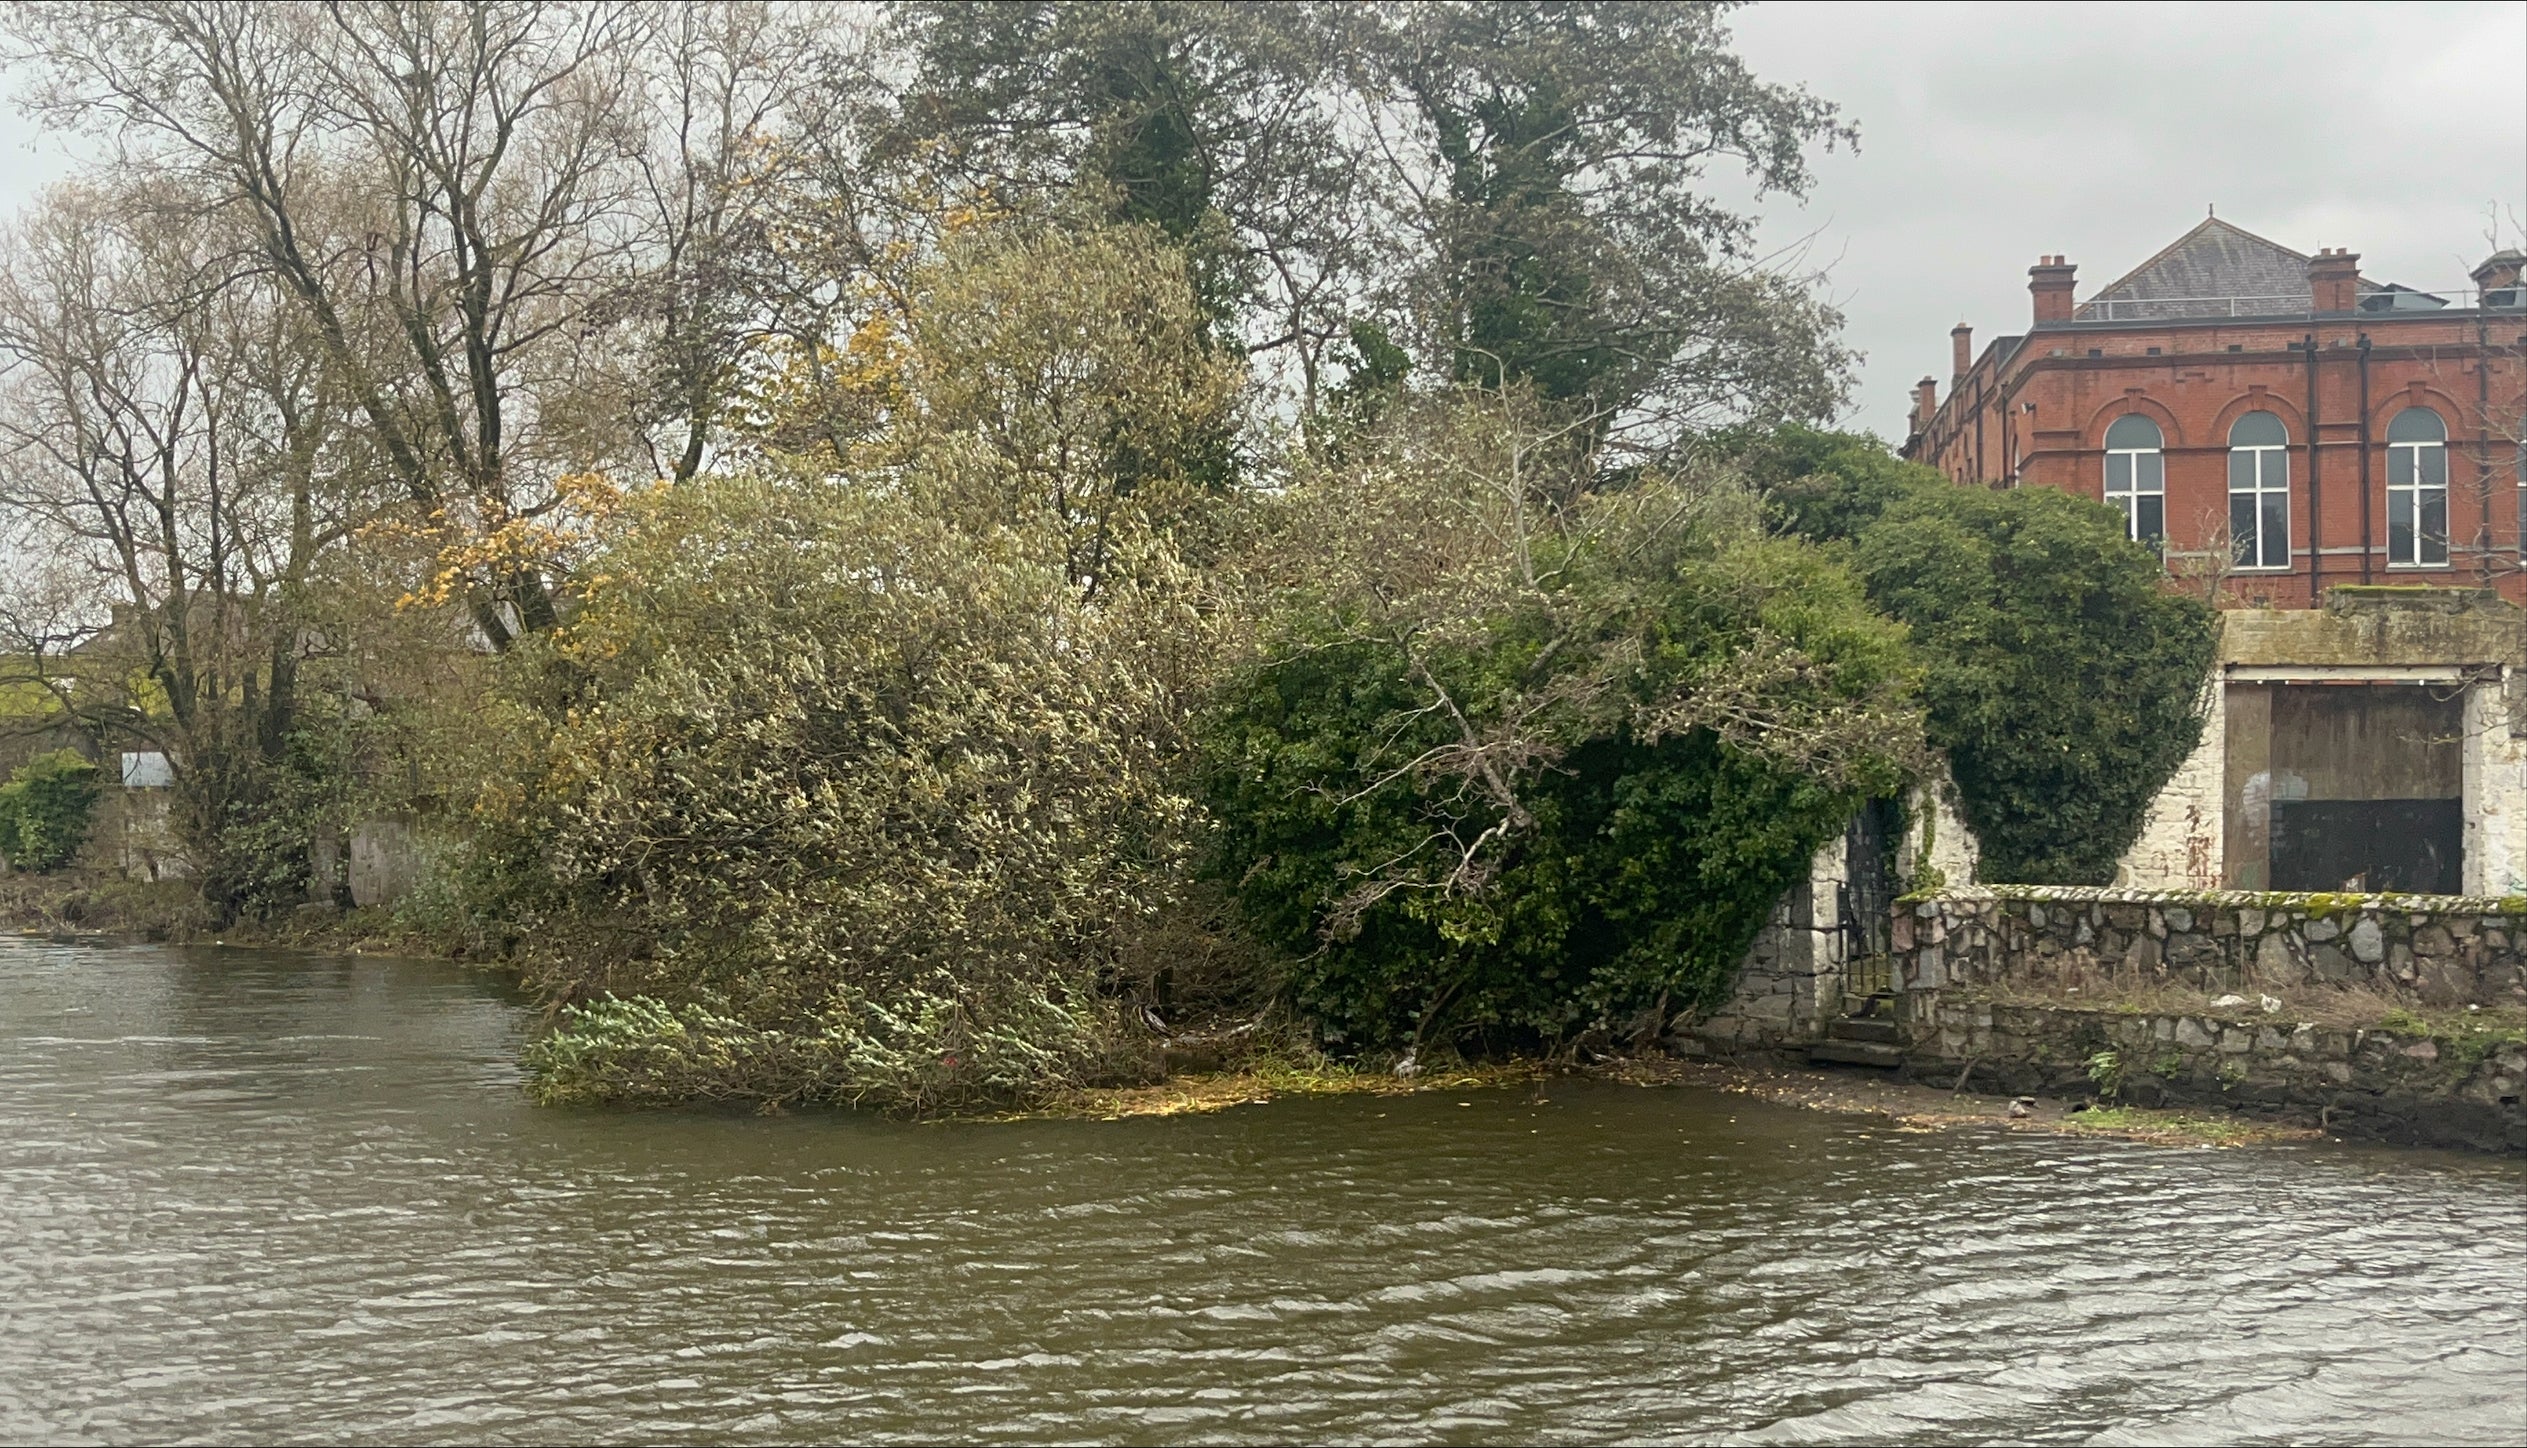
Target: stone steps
{"type": "Point", "coordinates": [1855, 1053]}
{"type": "Point", "coordinates": [1859, 1041]}
{"type": "Point", "coordinates": [1853, 1028]}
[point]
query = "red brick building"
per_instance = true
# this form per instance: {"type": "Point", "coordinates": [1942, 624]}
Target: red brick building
{"type": "Point", "coordinates": [2343, 463]}
{"type": "Point", "coordinates": [2315, 426]}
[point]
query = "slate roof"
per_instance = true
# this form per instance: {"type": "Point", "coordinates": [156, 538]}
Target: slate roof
{"type": "Point", "coordinates": [2247, 274]}
{"type": "Point", "coordinates": [2221, 270]}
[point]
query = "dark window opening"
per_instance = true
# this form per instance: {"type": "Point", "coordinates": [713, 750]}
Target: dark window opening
{"type": "Point", "coordinates": [2152, 351]}
{"type": "Point", "coordinates": [2096, 351]}
{"type": "Point", "coordinates": [2353, 787]}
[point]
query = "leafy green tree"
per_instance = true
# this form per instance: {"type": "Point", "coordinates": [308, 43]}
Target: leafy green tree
{"type": "Point", "coordinates": [44, 810]}
{"type": "Point", "coordinates": [1514, 191]}
{"type": "Point", "coordinates": [1207, 121]}
{"type": "Point", "coordinates": [1567, 237]}
{"type": "Point", "coordinates": [2063, 678]}
{"type": "Point", "coordinates": [1525, 758]}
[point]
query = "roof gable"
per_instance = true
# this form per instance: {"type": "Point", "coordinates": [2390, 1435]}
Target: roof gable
{"type": "Point", "coordinates": [2208, 271]}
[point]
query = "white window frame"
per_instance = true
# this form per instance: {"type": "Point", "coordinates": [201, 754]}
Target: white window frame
{"type": "Point", "coordinates": [2414, 458]}
{"type": "Point", "coordinates": [2271, 475]}
{"type": "Point", "coordinates": [2129, 496]}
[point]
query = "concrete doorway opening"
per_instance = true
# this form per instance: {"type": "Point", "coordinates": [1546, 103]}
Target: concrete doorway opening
{"type": "Point", "coordinates": [2356, 787]}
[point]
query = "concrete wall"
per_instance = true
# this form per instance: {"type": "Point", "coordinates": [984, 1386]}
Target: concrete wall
{"type": "Point", "coordinates": [385, 862]}
{"type": "Point", "coordinates": [133, 833]}
{"type": "Point", "coordinates": [1791, 983]}
{"type": "Point", "coordinates": [2182, 838]}
{"type": "Point", "coordinates": [2494, 754]}
{"type": "Point", "coordinates": [1954, 853]}
{"type": "Point", "coordinates": [2202, 833]}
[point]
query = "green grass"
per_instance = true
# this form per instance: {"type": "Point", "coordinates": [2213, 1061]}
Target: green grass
{"type": "Point", "coordinates": [2178, 1127]}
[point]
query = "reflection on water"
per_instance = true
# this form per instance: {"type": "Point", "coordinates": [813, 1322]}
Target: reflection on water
{"type": "Point", "coordinates": [253, 1197]}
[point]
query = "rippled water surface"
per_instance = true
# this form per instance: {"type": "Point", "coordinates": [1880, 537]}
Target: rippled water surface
{"type": "Point", "coordinates": [249, 1197]}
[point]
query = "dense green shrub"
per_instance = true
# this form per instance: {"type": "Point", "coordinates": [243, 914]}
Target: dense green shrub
{"type": "Point", "coordinates": [2064, 678]}
{"type": "Point", "coordinates": [855, 798]}
{"type": "Point", "coordinates": [944, 1046]}
{"type": "Point", "coordinates": [1646, 856]}
{"type": "Point", "coordinates": [44, 810]}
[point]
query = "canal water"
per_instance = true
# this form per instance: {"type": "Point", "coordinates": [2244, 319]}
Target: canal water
{"type": "Point", "coordinates": [252, 1197]}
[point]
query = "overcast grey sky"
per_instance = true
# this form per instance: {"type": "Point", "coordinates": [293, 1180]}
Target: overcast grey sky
{"type": "Point", "coordinates": [1993, 133]}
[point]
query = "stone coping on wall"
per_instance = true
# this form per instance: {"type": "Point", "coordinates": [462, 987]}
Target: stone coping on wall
{"type": "Point", "coordinates": [2309, 902]}
{"type": "Point", "coordinates": [2436, 949]}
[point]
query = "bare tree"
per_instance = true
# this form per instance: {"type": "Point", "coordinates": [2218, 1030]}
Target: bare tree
{"type": "Point", "coordinates": [171, 440]}
{"type": "Point", "coordinates": [442, 189]}
{"type": "Point", "coordinates": [730, 91]}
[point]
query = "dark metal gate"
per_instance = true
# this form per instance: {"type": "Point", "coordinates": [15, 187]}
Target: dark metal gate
{"type": "Point", "coordinates": [1867, 901]}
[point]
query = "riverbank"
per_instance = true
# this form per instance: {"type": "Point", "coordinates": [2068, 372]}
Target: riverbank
{"type": "Point", "coordinates": [1196, 1076]}
{"type": "Point", "coordinates": [1609, 1263]}
{"type": "Point", "coordinates": [103, 905]}
{"type": "Point", "coordinates": [1907, 1104]}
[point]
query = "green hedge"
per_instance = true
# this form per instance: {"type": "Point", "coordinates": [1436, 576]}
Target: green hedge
{"type": "Point", "coordinates": [1647, 868]}
{"type": "Point", "coordinates": [44, 810]}
{"type": "Point", "coordinates": [2064, 678]}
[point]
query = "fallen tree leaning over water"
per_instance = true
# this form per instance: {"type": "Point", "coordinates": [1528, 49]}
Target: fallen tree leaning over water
{"type": "Point", "coordinates": [1535, 752]}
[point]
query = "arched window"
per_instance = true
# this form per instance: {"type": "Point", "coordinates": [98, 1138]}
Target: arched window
{"type": "Point", "coordinates": [2417, 489]}
{"type": "Point", "coordinates": [2136, 476]}
{"type": "Point", "coordinates": [2259, 492]}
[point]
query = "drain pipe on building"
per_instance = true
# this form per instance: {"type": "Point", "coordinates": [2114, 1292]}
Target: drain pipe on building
{"type": "Point", "coordinates": [2368, 549]}
{"type": "Point", "coordinates": [2316, 494]}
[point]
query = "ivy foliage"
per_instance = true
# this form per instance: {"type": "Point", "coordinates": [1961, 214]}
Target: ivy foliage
{"type": "Point", "coordinates": [44, 810]}
{"type": "Point", "coordinates": [2062, 677]}
{"type": "Point", "coordinates": [1567, 806]}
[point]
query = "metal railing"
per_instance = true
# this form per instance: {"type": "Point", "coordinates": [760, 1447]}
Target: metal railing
{"type": "Point", "coordinates": [2134, 309]}
{"type": "Point", "coordinates": [2299, 304]}
{"type": "Point", "coordinates": [1868, 975]}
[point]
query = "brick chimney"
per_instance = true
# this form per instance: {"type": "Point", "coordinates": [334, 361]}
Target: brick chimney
{"type": "Point", "coordinates": [1925, 404]}
{"type": "Point", "coordinates": [2334, 279]}
{"type": "Point", "coordinates": [2500, 270]}
{"type": "Point", "coordinates": [2050, 280]}
{"type": "Point", "coordinates": [1961, 351]}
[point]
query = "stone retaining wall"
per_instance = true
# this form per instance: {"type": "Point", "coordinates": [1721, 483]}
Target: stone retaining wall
{"type": "Point", "coordinates": [2450, 1087]}
{"type": "Point", "coordinates": [2434, 949]}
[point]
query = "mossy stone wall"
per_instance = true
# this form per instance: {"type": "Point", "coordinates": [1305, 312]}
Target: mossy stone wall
{"type": "Point", "coordinates": [2441, 950]}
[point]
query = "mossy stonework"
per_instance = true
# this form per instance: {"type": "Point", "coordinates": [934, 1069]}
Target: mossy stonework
{"type": "Point", "coordinates": [2450, 1085]}
{"type": "Point", "coordinates": [2031, 986]}
{"type": "Point", "coordinates": [2438, 949]}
